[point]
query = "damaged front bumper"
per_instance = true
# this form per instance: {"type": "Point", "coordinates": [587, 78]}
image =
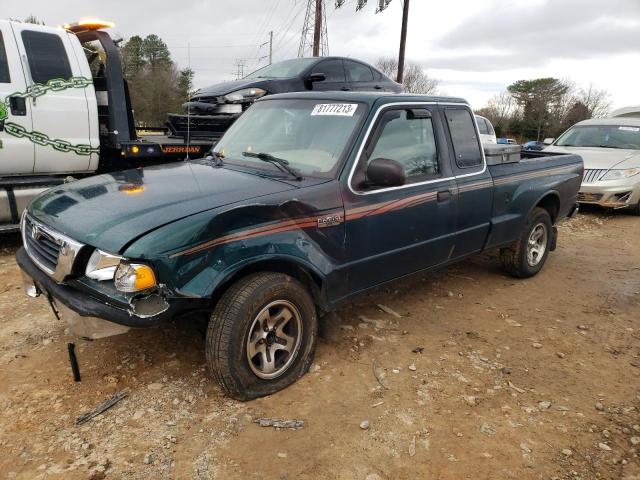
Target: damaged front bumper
{"type": "Point", "coordinates": [87, 310]}
{"type": "Point", "coordinates": [619, 195]}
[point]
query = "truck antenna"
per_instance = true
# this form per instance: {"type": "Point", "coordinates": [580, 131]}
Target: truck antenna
{"type": "Point", "coordinates": [188, 100]}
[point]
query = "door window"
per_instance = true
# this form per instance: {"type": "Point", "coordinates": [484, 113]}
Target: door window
{"type": "Point", "coordinates": [332, 69]}
{"type": "Point", "coordinates": [409, 141]}
{"type": "Point", "coordinates": [357, 72]}
{"type": "Point", "coordinates": [4, 65]}
{"type": "Point", "coordinates": [47, 56]}
{"type": "Point", "coordinates": [466, 145]}
{"type": "Point", "coordinates": [377, 76]}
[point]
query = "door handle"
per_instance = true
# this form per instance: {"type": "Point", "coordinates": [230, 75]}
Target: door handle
{"type": "Point", "coordinates": [378, 87]}
{"type": "Point", "coordinates": [345, 89]}
{"type": "Point", "coordinates": [444, 196]}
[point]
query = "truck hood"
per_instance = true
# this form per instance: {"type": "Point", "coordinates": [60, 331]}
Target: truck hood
{"type": "Point", "coordinates": [225, 88]}
{"type": "Point", "coordinates": [108, 211]}
{"type": "Point", "coordinates": [597, 158]}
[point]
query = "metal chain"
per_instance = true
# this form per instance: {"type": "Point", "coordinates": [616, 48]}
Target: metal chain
{"type": "Point", "coordinates": [37, 90]}
{"type": "Point", "coordinates": [55, 85]}
{"type": "Point", "coordinates": [42, 139]}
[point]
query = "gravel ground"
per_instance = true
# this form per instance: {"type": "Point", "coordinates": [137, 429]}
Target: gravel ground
{"type": "Point", "coordinates": [478, 376]}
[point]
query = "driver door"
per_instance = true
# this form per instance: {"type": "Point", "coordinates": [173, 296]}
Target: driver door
{"type": "Point", "coordinates": [395, 231]}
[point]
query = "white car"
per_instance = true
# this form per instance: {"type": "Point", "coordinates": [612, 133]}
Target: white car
{"type": "Point", "coordinates": [487, 133]}
{"type": "Point", "coordinates": [610, 148]}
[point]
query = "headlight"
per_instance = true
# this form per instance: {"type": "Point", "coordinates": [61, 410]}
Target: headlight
{"type": "Point", "coordinates": [620, 174]}
{"type": "Point", "coordinates": [133, 277]}
{"type": "Point", "coordinates": [244, 95]}
{"type": "Point", "coordinates": [102, 265]}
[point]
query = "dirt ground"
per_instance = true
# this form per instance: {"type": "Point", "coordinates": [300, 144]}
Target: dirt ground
{"type": "Point", "coordinates": [513, 379]}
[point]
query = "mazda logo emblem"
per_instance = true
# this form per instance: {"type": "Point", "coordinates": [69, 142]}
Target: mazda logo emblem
{"type": "Point", "coordinates": [36, 234]}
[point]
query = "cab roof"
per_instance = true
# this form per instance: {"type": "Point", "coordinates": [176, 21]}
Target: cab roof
{"type": "Point", "coordinates": [370, 98]}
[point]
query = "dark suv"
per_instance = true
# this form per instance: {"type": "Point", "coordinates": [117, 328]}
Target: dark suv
{"type": "Point", "coordinates": [213, 109]}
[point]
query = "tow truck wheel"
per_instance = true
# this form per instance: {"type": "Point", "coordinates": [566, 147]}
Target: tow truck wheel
{"type": "Point", "coordinates": [528, 254]}
{"type": "Point", "coordinates": [262, 335]}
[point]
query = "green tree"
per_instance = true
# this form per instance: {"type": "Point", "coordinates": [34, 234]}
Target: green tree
{"type": "Point", "coordinates": [185, 82]}
{"type": "Point", "coordinates": [132, 57]}
{"type": "Point", "coordinates": [578, 112]}
{"type": "Point", "coordinates": [156, 86]}
{"type": "Point", "coordinates": [155, 51]}
{"type": "Point", "coordinates": [542, 101]}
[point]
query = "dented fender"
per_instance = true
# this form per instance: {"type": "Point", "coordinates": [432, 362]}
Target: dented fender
{"type": "Point", "coordinates": [306, 231]}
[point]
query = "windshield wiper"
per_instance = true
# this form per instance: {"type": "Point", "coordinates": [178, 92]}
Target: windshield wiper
{"type": "Point", "coordinates": [217, 157]}
{"type": "Point", "coordinates": [281, 163]}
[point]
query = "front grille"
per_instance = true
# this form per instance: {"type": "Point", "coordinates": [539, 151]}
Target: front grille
{"type": "Point", "coordinates": [52, 252]}
{"type": "Point", "coordinates": [41, 246]}
{"type": "Point", "coordinates": [591, 176]}
{"type": "Point", "coordinates": [589, 197]}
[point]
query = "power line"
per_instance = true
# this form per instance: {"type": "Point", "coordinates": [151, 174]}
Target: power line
{"type": "Point", "coordinates": [282, 40]}
{"type": "Point", "coordinates": [382, 5]}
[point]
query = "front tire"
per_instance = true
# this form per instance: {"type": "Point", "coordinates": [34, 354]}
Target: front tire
{"type": "Point", "coordinates": [527, 255]}
{"type": "Point", "coordinates": [262, 335]}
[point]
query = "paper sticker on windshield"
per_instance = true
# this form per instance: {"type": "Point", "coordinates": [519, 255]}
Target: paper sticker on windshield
{"type": "Point", "coordinates": [339, 109]}
{"type": "Point", "coordinates": [630, 129]}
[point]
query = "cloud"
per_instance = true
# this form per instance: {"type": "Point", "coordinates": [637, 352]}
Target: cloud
{"type": "Point", "coordinates": [532, 35]}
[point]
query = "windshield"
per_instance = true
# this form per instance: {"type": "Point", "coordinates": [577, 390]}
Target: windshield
{"type": "Point", "coordinates": [308, 134]}
{"type": "Point", "coordinates": [285, 69]}
{"type": "Point", "coordinates": [606, 136]}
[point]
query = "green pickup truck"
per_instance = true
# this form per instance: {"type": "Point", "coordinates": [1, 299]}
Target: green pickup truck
{"type": "Point", "coordinates": [307, 200]}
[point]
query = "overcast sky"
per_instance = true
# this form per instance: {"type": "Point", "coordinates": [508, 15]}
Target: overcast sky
{"type": "Point", "coordinates": [475, 47]}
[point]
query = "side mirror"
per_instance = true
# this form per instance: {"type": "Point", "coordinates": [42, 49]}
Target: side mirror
{"type": "Point", "coordinates": [316, 77]}
{"type": "Point", "coordinates": [548, 141]}
{"type": "Point", "coordinates": [384, 172]}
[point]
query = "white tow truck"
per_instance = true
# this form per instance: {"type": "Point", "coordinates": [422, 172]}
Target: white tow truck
{"type": "Point", "coordinates": [65, 112]}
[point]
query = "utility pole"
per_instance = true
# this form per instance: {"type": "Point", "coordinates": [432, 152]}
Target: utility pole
{"type": "Point", "coordinates": [317, 28]}
{"type": "Point", "coordinates": [403, 41]}
{"type": "Point", "coordinates": [240, 64]}
{"type": "Point", "coordinates": [382, 5]}
{"type": "Point", "coordinates": [314, 40]}
{"type": "Point", "coordinates": [270, 42]}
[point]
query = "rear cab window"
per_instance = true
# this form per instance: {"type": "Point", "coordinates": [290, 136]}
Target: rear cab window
{"type": "Point", "coordinates": [465, 141]}
{"type": "Point", "coordinates": [482, 126]}
{"type": "Point", "coordinates": [5, 77]}
{"type": "Point", "coordinates": [46, 55]}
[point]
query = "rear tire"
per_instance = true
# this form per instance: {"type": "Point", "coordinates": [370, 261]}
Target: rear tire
{"type": "Point", "coordinates": [262, 335]}
{"type": "Point", "coordinates": [527, 255]}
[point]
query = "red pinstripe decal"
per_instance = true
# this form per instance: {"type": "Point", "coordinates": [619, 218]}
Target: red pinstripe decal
{"type": "Point", "coordinates": [359, 212]}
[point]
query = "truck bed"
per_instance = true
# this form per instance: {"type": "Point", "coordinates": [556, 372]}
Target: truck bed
{"type": "Point", "coordinates": [517, 185]}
